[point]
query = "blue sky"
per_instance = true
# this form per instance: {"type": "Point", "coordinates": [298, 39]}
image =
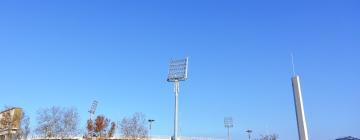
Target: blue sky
{"type": "Point", "coordinates": [67, 53]}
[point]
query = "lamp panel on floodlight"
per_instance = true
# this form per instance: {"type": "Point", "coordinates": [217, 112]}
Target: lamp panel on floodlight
{"type": "Point", "coordinates": [228, 122]}
{"type": "Point", "coordinates": [178, 70]}
{"type": "Point", "coordinates": [93, 107]}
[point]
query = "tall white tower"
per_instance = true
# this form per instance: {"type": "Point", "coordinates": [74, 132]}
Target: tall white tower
{"type": "Point", "coordinates": [300, 115]}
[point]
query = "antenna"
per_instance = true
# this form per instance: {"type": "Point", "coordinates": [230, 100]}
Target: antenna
{"type": "Point", "coordinates": [293, 65]}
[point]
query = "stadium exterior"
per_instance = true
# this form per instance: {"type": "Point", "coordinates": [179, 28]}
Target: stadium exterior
{"type": "Point", "coordinates": [10, 122]}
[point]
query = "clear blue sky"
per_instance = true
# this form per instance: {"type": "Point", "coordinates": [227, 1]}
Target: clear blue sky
{"type": "Point", "coordinates": [69, 52]}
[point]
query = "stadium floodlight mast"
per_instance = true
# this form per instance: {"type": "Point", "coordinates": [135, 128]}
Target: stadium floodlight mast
{"type": "Point", "coordinates": [93, 108]}
{"type": "Point", "coordinates": [178, 70]}
{"type": "Point", "coordinates": [92, 112]}
{"type": "Point", "coordinates": [228, 122]}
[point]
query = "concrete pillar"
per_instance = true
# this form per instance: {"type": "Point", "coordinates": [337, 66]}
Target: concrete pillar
{"type": "Point", "coordinates": [299, 107]}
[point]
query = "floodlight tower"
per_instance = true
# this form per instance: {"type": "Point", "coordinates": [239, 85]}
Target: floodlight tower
{"type": "Point", "coordinates": [92, 108]}
{"type": "Point", "coordinates": [177, 72]}
{"type": "Point", "coordinates": [228, 122]}
{"type": "Point", "coordinates": [299, 107]}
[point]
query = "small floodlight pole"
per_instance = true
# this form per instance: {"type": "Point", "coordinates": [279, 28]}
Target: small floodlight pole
{"type": "Point", "coordinates": [150, 123]}
{"type": "Point", "coordinates": [177, 72]}
{"type": "Point", "coordinates": [249, 133]}
{"type": "Point", "coordinates": [228, 122]}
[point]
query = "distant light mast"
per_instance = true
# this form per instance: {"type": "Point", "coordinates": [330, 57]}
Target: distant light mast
{"type": "Point", "coordinates": [228, 122]}
{"type": "Point", "coordinates": [299, 107]}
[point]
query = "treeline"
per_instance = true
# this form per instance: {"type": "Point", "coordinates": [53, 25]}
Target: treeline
{"type": "Point", "coordinates": [63, 122]}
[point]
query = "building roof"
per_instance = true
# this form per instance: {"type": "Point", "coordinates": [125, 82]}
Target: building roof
{"type": "Point", "coordinates": [348, 138]}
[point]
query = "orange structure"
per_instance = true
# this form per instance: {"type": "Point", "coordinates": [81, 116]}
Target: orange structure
{"type": "Point", "coordinates": [9, 122]}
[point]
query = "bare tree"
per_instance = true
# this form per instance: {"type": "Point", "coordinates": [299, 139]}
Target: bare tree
{"type": "Point", "coordinates": [111, 132]}
{"type": "Point", "coordinates": [99, 127]}
{"type": "Point", "coordinates": [24, 130]}
{"type": "Point", "coordinates": [57, 122]}
{"type": "Point", "coordinates": [69, 122]}
{"type": "Point", "coordinates": [48, 120]}
{"type": "Point", "coordinates": [101, 123]}
{"type": "Point", "coordinates": [134, 127]}
{"type": "Point", "coordinates": [90, 127]}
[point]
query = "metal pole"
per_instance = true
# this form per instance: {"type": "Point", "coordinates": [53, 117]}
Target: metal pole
{"type": "Point", "coordinates": [176, 110]}
{"type": "Point", "coordinates": [150, 124]}
{"type": "Point", "coordinates": [150, 131]}
{"type": "Point", "coordinates": [249, 133]}
{"type": "Point", "coordinates": [228, 133]}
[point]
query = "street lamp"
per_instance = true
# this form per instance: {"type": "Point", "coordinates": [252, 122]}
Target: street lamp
{"type": "Point", "coordinates": [228, 122]}
{"type": "Point", "coordinates": [249, 133]}
{"type": "Point", "coordinates": [150, 122]}
{"type": "Point", "coordinates": [177, 72]}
